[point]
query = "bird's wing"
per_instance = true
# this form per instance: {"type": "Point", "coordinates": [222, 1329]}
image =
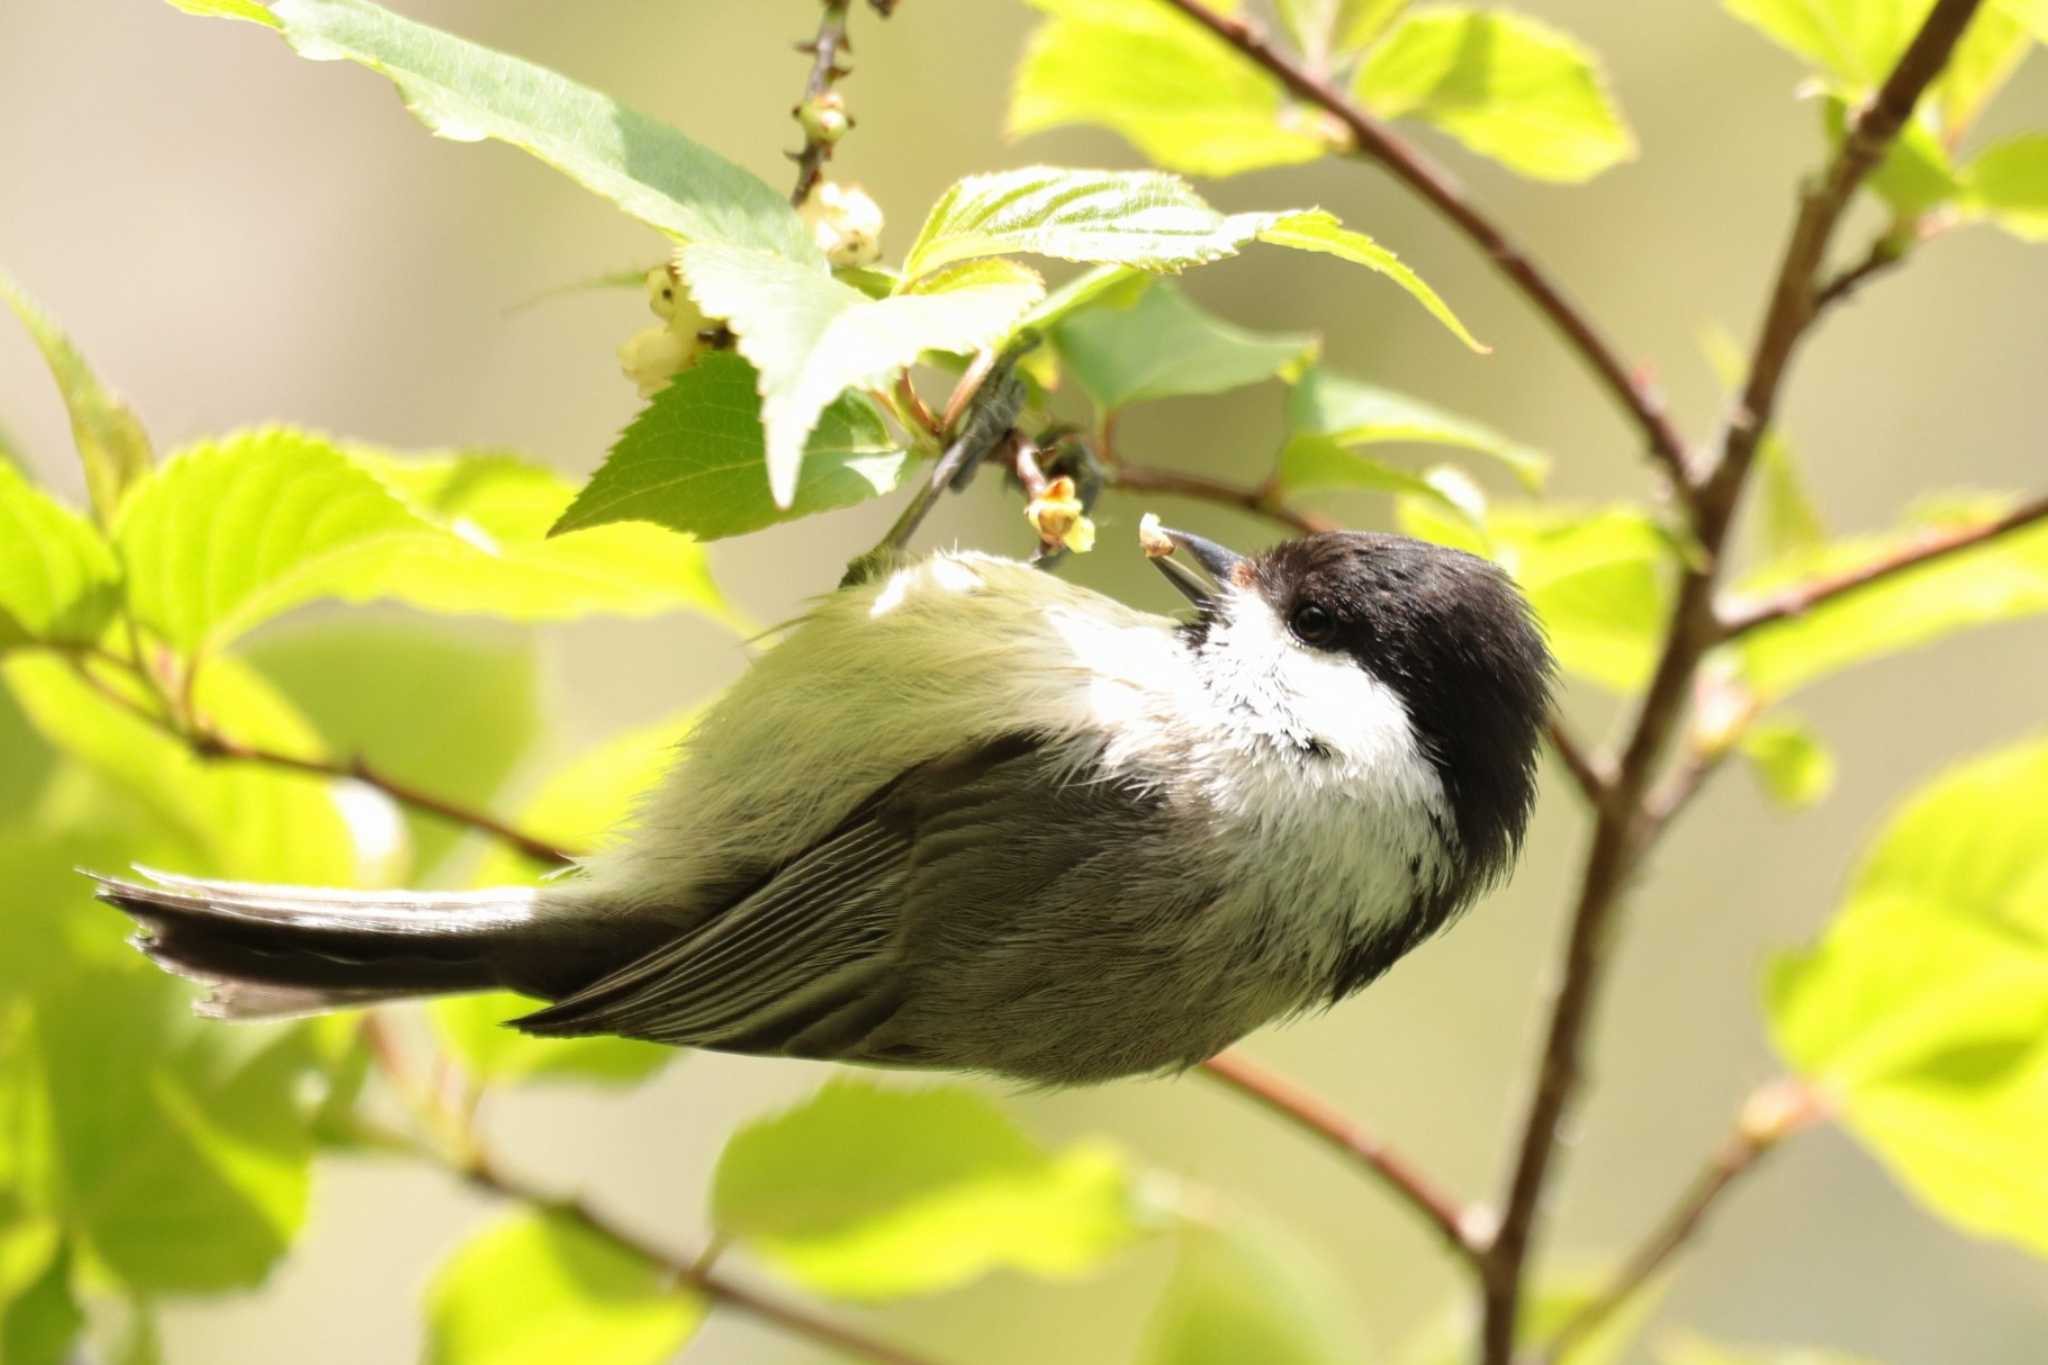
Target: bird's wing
{"type": "Point", "coordinates": [807, 963]}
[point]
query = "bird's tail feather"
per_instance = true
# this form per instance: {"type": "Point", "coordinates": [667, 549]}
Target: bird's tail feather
{"type": "Point", "coordinates": [271, 952]}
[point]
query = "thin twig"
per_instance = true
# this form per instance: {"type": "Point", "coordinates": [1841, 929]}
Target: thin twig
{"type": "Point", "coordinates": [1317, 1118]}
{"type": "Point", "coordinates": [824, 50]}
{"type": "Point", "coordinates": [1617, 837]}
{"type": "Point", "coordinates": [1773, 1114]}
{"type": "Point", "coordinates": [1937, 545]}
{"type": "Point", "coordinates": [1436, 186]}
{"type": "Point", "coordinates": [1142, 479]}
{"type": "Point", "coordinates": [1587, 772]}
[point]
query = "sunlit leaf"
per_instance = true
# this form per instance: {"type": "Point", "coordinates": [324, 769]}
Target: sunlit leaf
{"type": "Point", "coordinates": [1182, 95]}
{"type": "Point", "coordinates": [868, 1193]}
{"type": "Point", "coordinates": [40, 1319]}
{"type": "Point", "coordinates": [575, 808]}
{"type": "Point", "coordinates": [58, 580]}
{"type": "Point", "coordinates": [1991, 49]}
{"type": "Point", "coordinates": [812, 338]}
{"type": "Point", "coordinates": [538, 1287]}
{"type": "Point", "coordinates": [1923, 1012]}
{"type": "Point", "coordinates": [1795, 768]}
{"type": "Point", "coordinates": [2009, 182]}
{"type": "Point", "coordinates": [1351, 413]}
{"type": "Point", "coordinates": [1452, 1337]}
{"type": "Point", "coordinates": [1792, 523]}
{"type": "Point", "coordinates": [1321, 233]}
{"type": "Point", "coordinates": [1601, 580]}
{"type": "Point", "coordinates": [467, 93]}
{"type": "Point", "coordinates": [1688, 1349]}
{"type": "Point", "coordinates": [1856, 41]}
{"type": "Point", "coordinates": [1913, 177]}
{"type": "Point", "coordinates": [1166, 346]}
{"type": "Point", "coordinates": [1241, 1294]}
{"type": "Point", "coordinates": [2031, 15]}
{"type": "Point", "coordinates": [112, 446]}
{"type": "Point", "coordinates": [1507, 86]}
{"type": "Point", "coordinates": [2002, 580]}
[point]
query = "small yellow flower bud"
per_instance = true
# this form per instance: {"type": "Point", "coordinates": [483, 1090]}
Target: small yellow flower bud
{"type": "Point", "coordinates": [845, 222]}
{"type": "Point", "coordinates": [663, 291]}
{"type": "Point", "coordinates": [1152, 537]}
{"type": "Point", "coordinates": [824, 118]}
{"type": "Point", "coordinates": [652, 357]}
{"type": "Point", "coordinates": [1060, 519]}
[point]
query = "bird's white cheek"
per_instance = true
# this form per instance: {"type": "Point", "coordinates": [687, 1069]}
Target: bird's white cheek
{"type": "Point", "coordinates": [1354, 715]}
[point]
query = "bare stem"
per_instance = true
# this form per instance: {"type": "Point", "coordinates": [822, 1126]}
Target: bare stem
{"type": "Point", "coordinates": [1773, 1114]}
{"type": "Point", "coordinates": [1317, 1118]}
{"type": "Point", "coordinates": [824, 49]}
{"type": "Point", "coordinates": [1373, 140]}
{"type": "Point", "coordinates": [1618, 835]}
{"type": "Point", "coordinates": [1142, 479]}
{"type": "Point", "coordinates": [1938, 545]}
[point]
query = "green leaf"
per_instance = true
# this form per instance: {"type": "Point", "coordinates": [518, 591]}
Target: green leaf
{"type": "Point", "coordinates": [539, 1287]}
{"type": "Point", "coordinates": [1915, 175]}
{"type": "Point", "coordinates": [1508, 87]}
{"type": "Point", "coordinates": [2002, 580]}
{"type": "Point", "coordinates": [505, 509]}
{"type": "Point", "coordinates": [448, 712]}
{"type": "Point", "coordinates": [2009, 182]}
{"type": "Point", "coordinates": [1795, 768]}
{"type": "Point", "coordinates": [695, 459]}
{"type": "Point", "coordinates": [1242, 1294]}
{"type": "Point", "coordinates": [58, 580]}
{"type": "Point", "coordinates": [467, 93]}
{"type": "Point", "coordinates": [1321, 233]}
{"type": "Point", "coordinates": [1687, 1349]}
{"type": "Point", "coordinates": [1351, 413]}
{"type": "Point", "coordinates": [1991, 49]}
{"type": "Point", "coordinates": [1923, 1013]}
{"type": "Point", "coordinates": [867, 1193]}
{"type": "Point", "coordinates": [1452, 1338]}
{"type": "Point", "coordinates": [1601, 579]}
{"type": "Point", "coordinates": [1166, 346]}
{"type": "Point", "coordinates": [1792, 523]}
{"type": "Point", "coordinates": [577, 806]}
{"type": "Point", "coordinates": [1145, 219]}
{"type": "Point", "coordinates": [1180, 94]}
{"type": "Point", "coordinates": [40, 1320]}
{"type": "Point", "coordinates": [812, 338]}
{"type": "Point", "coordinates": [112, 446]}
{"type": "Point", "coordinates": [1856, 41]}
{"type": "Point", "coordinates": [182, 1161]}
{"type": "Point", "coordinates": [2031, 15]}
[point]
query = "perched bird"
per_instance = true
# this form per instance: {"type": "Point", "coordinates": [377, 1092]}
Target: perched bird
{"type": "Point", "coordinates": [970, 816]}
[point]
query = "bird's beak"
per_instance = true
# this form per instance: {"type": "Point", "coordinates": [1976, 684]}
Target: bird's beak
{"type": "Point", "coordinates": [1224, 566]}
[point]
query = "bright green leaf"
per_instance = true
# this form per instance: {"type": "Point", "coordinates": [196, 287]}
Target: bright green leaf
{"type": "Point", "coordinates": [1317, 464]}
{"type": "Point", "coordinates": [1914, 175]}
{"type": "Point", "coordinates": [1452, 1337]}
{"type": "Point", "coordinates": [1242, 1294]}
{"type": "Point", "coordinates": [112, 445]}
{"type": "Point", "coordinates": [812, 338]}
{"type": "Point", "coordinates": [868, 1193]}
{"type": "Point", "coordinates": [1991, 49]}
{"type": "Point", "coordinates": [1102, 286]}
{"type": "Point", "coordinates": [1792, 523]}
{"type": "Point", "coordinates": [2002, 580]}
{"type": "Point", "coordinates": [1319, 232]}
{"type": "Point", "coordinates": [2030, 14]}
{"type": "Point", "coordinates": [2009, 181]}
{"type": "Point", "coordinates": [538, 1287]}
{"type": "Point", "coordinates": [1923, 1013]}
{"type": "Point", "coordinates": [575, 808]}
{"type": "Point", "coordinates": [694, 460]}
{"type": "Point", "coordinates": [1790, 761]}
{"type": "Point", "coordinates": [241, 820]}
{"type": "Point", "coordinates": [467, 93]}
{"type": "Point", "coordinates": [1688, 1349]}
{"type": "Point", "coordinates": [1856, 41]}
{"type": "Point", "coordinates": [1178, 92]}
{"type": "Point", "coordinates": [451, 712]}
{"type": "Point", "coordinates": [1165, 346]}
{"type": "Point", "coordinates": [1601, 580]}
{"type": "Point", "coordinates": [1507, 86]}
{"type": "Point", "coordinates": [1361, 22]}
{"type": "Point", "coordinates": [1352, 413]}
{"type": "Point", "coordinates": [228, 9]}
{"type": "Point", "coordinates": [40, 1319]}
{"type": "Point", "coordinates": [58, 580]}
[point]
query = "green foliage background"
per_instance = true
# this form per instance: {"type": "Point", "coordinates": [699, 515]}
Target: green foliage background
{"type": "Point", "coordinates": [300, 252]}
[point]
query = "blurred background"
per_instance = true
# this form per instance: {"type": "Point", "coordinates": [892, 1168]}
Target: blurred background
{"type": "Point", "coordinates": [233, 235]}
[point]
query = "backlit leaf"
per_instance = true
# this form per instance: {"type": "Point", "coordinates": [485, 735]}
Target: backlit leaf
{"type": "Point", "coordinates": [538, 1287]}
{"type": "Point", "coordinates": [1452, 1338]}
{"type": "Point", "coordinates": [868, 1193]}
{"type": "Point", "coordinates": [1856, 41]}
{"type": "Point", "coordinates": [1507, 86]}
{"type": "Point", "coordinates": [1991, 49]}
{"type": "Point", "coordinates": [1319, 232]}
{"type": "Point", "coordinates": [2009, 182]}
{"type": "Point", "coordinates": [1923, 1012]}
{"type": "Point", "coordinates": [1795, 768]}
{"type": "Point", "coordinates": [1178, 92]}
{"type": "Point", "coordinates": [1351, 413]}
{"type": "Point", "coordinates": [58, 580]}
{"type": "Point", "coordinates": [1164, 345]}
{"type": "Point", "coordinates": [467, 93]}
{"type": "Point", "coordinates": [1242, 1294]}
{"type": "Point", "coordinates": [1688, 1349]}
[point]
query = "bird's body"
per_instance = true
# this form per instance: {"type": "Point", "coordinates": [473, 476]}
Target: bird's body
{"type": "Point", "coordinates": [969, 816]}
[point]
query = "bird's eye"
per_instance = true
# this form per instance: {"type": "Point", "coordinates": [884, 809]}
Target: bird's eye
{"type": "Point", "coordinates": [1313, 623]}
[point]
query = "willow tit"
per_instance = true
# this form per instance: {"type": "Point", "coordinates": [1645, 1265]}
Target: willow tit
{"type": "Point", "coordinates": [970, 816]}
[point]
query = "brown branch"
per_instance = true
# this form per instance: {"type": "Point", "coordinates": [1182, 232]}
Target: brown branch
{"type": "Point", "coordinates": [824, 50]}
{"type": "Point", "coordinates": [1587, 772]}
{"type": "Point", "coordinates": [1937, 545]}
{"type": "Point", "coordinates": [1773, 1114]}
{"type": "Point", "coordinates": [1376, 142]}
{"type": "Point", "coordinates": [1618, 835]}
{"type": "Point", "coordinates": [1317, 1118]}
{"type": "Point", "coordinates": [1142, 479]}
